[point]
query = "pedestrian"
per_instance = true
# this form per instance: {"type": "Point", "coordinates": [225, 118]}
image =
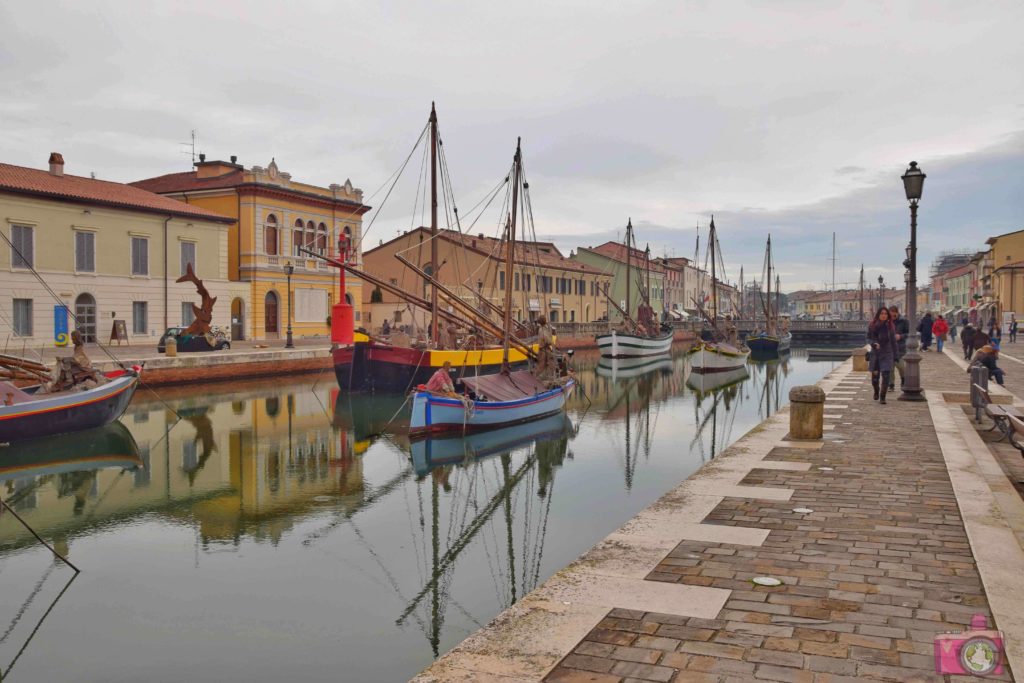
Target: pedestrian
{"type": "Point", "coordinates": [884, 348]}
{"type": "Point", "coordinates": [965, 340]}
{"type": "Point", "coordinates": [992, 325]}
{"type": "Point", "coordinates": [952, 329]}
{"type": "Point", "coordinates": [924, 328]}
{"type": "Point", "coordinates": [385, 328]}
{"type": "Point", "coordinates": [940, 328]}
{"type": "Point", "coordinates": [997, 339]}
{"type": "Point", "coordinates": [986, 358]}
{"type": "Point", "coordinates": [1013, 329]}
{"type": "Point", "coordinates": [902, 326]}
{"type": "Point", "coordinates": [441, 382]}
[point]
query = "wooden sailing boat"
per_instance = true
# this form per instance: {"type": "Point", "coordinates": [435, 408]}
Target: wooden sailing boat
{"type": "Point", "coordinates": [365, 363]}
{"type": "Point", "coordinates": [641, 337]}
{"type": "Point", "coordinates": [498, 400]}
{"type": "Point", "coordinates": [721, 353]}
{"type": "Point", "coordinates": [772, 340]}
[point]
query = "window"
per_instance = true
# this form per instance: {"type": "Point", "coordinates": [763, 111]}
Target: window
{"type": "Point", "coordinates": [85, 252]}
{"type": "Point", "coordinates": [187, 314]}
{"type": "Point", "coordinates": [188, 255]}
{"type": "Point", "coordinates": [23, 317]}
{"type": "Point", "coordinates": [526, 282]}
{"type": "Point", "coordinates": [140, 318]}
{"type": "Point", "coordinates": [515, 281]}
{"type": "Point", "coordinates": [23, 252]}
{"type": "Point", "coordinates": [298, 236]}
{"type": "Point", "coordinates": [321, 239]}
{"type": "Point", "coordinates": [270, 239]}
{"type": "Point", "coordinates": [501, 280]}
{"type": "Point", "coordinates": [140, 256]}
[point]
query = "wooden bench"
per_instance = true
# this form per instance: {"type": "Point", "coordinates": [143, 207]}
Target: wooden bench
{"type": "Point", "coordinates": [1016, 433]}
{"type": "Point", "coordinates": [1001, 416]}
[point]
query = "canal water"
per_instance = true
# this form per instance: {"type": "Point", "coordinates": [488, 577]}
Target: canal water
{"type": "Point", "coordinates": [278, 530]}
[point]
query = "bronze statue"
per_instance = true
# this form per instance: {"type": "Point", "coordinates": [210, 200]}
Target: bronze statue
{"type": "Point", "coordinates": [203, 312]}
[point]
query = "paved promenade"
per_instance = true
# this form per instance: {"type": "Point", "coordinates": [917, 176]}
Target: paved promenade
{"type": "Point", "coordinates": [899, 525]}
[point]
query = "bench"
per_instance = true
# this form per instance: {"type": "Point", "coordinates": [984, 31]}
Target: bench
{"type": "Point", "coordinates": [1016, 433]}
{"type": "Point", "coordinates": [1001, 416]}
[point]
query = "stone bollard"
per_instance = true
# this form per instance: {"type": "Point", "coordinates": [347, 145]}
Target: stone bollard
{"type": "Point", "coordinates": [806, 412]}
{"type": "Point", "coordinates": [860, 360]}
{"type": "Point", "coordinates": [171, 347]}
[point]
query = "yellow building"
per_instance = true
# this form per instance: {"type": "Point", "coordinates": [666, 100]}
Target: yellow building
{"type": "Point", "coordinates": [274, 216]}
{"type": "Point", "coordinates": [1006, 256]}
{"type": "Point", "coordinates": [107, 252]}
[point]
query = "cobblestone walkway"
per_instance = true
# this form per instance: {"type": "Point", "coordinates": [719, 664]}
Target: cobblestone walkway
{"type": "Point", "coordinates": [877, 567]}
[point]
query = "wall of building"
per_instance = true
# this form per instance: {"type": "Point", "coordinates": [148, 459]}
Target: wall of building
{"type": "Point", "coordinates": [616, 271]}
{"type": "Point", "coordinates": [112, 286]}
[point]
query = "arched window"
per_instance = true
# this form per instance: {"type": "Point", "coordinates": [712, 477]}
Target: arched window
{"type": "Point", "coordinates": [298, 239]}
{"type": "Point", "coordinates": [321, 239]}
{"type": "Point", "coordinates": [270, 239]}
{"type": "Point", "coordinates": [310, 235]}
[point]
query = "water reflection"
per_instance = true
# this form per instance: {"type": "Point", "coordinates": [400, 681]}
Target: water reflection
{"type": "Point", "coordinates": [400, 547]}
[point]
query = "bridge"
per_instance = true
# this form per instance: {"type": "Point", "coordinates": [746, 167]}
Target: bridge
{"type": "Point", "coordinates": [805, 332]}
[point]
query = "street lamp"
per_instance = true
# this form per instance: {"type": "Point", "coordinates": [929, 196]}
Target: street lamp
{"type": "Point", "coordinates": [288, 270]}
{"type": "Point", "coordinates": [881, 291]}
{"type": "Point", "coordinates": [913, 184]}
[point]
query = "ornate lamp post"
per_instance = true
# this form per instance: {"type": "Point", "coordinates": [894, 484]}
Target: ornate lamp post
{"type": "Point", "coordinates": [913, 184]}
{"type": "Point", "coordinates": [288, 270]}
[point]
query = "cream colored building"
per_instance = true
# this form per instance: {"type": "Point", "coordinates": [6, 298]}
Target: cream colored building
{"type": "Point", "coordinates": [105, 251]}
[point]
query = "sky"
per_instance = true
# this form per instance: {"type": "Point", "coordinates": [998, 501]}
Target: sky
{"type": "Point", "coordinates": [791, 118]}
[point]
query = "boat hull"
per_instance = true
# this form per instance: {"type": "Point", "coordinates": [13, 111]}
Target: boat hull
{"type": "Point", "coordinates": [433, 415]}
{"type": "Point", "coordinates": [709, 357]}
{"type": "Point", "coordinates": [67, 412]}
{"type": "Point", "coordinates": [372, 366]}
{"type": "Point", "coordinates": [767, 345]}
{"type": "Point", "coordinates": [617, 345]}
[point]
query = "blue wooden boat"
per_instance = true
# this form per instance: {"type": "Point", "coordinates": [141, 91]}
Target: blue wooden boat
{"type": "Point", "coordinates": [27, 414]}
{"type": "Point", "coordinates": [764, 345]}
{"type": "Point", "coordinates": [499, 401]}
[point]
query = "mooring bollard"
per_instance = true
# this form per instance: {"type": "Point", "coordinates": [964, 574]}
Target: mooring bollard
{"type": "Point", "coordinates": [860, 360]}
{"type": "Point", "coordinates": [806, 412]}
{"type": "Point", "coordinates": [171, 347]}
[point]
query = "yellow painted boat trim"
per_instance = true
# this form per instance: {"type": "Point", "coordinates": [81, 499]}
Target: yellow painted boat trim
{"type": "Point", "coordinates": [359, 337]}
{"type": "Point", "coordinates": [481, 357]}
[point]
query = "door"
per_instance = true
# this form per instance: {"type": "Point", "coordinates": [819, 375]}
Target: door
{"type": "Point", "coordinates": [270, 313]}
{"type": "Point", "coordinates": [85, 317]}
{"type": "Point", "coordinates": [237, 319]}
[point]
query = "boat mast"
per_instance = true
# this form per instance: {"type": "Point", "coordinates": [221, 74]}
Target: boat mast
{"type": "Point", "coordinates": [433, 225]}
{"type": "Point", "coordinates": [778, 301]}
{"type": "Point", "coordinates": [510, 253]}
{"type": "Point", "coordinates": [629, 272]}
{"type": "Point", "coordinates": [712, 241]}
{"type": "Point", "coordinates": [768, 312]}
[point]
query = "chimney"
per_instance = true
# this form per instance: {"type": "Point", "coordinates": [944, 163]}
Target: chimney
{"type": "Point", "coordinates": [234, 159]}
{"type": "Point", "coordinates": [202, 157]}
{"type": "Point", "coordinates": [56, 164]}
{"type": "Point", "coordinates": [480, 235]}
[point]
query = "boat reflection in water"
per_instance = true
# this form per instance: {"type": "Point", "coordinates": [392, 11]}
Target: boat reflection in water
{"type": "Point", "coordinates": [703, 383]}
{"type": "Point", "coordinates": [628, 368]}
{"type": "Point", "coordinates": [109, 446]}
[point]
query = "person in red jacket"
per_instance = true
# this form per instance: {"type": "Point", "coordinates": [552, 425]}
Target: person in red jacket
{"type": "Point", "coordinates": [940, 328]}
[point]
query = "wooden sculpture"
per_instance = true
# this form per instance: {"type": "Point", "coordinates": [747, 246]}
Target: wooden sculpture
{"type": "Point", "coordinates": [203, 312]}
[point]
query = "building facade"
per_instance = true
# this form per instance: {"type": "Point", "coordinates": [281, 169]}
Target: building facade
{"type": "Point", "coordinates": [473, 267]}
{"type": "Point", "coordinates": [107, 252]}
{"type": "Point", "coordinates": [610, 259]}
{"type": "Point", "coordinates": [273, 217]}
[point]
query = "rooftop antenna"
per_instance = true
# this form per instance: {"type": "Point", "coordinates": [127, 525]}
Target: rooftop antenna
{"type": "Point", "coordinates": [191, 146]}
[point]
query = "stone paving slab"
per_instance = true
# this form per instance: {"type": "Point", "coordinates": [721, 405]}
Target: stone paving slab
{"type": "Point", "coordinates": [881, 564]}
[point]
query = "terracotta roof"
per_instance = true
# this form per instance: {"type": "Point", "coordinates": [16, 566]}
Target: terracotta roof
{"type": "Point", "coordinates": [617, 252]}
{"type": "Point", "coordinates": [31, 181]}
{"type": "Point", "coordinates": [187, 181]}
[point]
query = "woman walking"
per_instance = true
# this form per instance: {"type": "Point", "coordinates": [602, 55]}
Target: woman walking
{"type": "Point", "coordinates": [940, 328]}
{"type": "Point", "coordinates": [884, 349]}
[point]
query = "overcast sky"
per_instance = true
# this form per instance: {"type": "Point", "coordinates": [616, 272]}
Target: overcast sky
{"type": "Point", "coordinates": [791, 117]}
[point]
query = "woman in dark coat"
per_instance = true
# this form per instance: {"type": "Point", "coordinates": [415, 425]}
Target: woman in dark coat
{"type": "Point", "coordinates": [884, 350]}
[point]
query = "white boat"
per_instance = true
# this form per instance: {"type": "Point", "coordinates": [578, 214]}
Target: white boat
{"type": "Point", "coordinates": [628, 368]}
{"type": "Point", "coordinates": [623, 345]}
{"type": "Point", "coordinates": [717, 357]}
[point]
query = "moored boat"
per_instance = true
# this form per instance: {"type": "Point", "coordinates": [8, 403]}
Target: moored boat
{"type": "Point", "coordinates": [774, 339]}
{"type": "Point", "coordinates": [625, 345]}
{"type": "Point", "coordinates": [27, 414]}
